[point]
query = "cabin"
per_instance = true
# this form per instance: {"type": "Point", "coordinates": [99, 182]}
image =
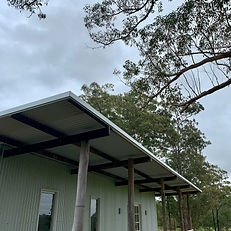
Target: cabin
{"type": "Point", "coordinates": [64, 166]}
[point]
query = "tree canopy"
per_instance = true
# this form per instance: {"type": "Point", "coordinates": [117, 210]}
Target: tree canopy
{"type": "Point", "coordinates": [174, 137]}
{"type": "Point", "coordinates": [188, 48]}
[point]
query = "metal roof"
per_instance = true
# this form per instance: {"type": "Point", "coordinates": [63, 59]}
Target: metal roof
{"type": "Point", "coordinates": [66, 115]}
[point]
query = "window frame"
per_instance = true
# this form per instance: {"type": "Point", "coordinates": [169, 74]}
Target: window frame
{"type": "Point", "coordinates": [140, 216]}
{"type": "Point", "coordinates": [54, 206]}
{"type": "Point", "coordinates": [98, 212]}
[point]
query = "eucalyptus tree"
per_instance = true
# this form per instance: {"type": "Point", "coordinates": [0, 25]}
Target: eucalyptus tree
{"type": "Point", "coordinates": [190, 47]}
{"type": "Point", "coordinates": [149, 125]}
{"type": "Point", "coordinates": [169, 134]}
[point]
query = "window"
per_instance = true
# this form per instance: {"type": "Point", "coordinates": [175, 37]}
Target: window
{"type": "Point", "coordinates": [46, 211]}
{"type": "Point", "coordinates": [137, 218]}
{"type": "Point", "coordinates": [94, 214]}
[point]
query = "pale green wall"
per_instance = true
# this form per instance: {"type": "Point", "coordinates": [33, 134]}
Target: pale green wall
{"type": "Point", "coordinates": [23, 177]}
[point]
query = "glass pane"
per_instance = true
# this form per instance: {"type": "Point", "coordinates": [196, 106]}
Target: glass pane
{"type": "Point", "coordinates": [94, 214]}
{"type": "Point", "coordinates": [45, 211]}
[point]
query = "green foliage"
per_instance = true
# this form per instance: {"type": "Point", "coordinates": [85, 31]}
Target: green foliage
{"type": "Point", "coordinates": [189, 48]}
{"type": "Point", "coordinates": [126, 110]}
{"type": "Point", "coordinates": [32, 6]}
{"type": "Point", "coordinates": [173, 136]}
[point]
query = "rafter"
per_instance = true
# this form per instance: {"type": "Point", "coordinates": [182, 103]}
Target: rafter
{"type": "Point", "coordinates": [35, 124]}
{"type": "Point", "coordinates": [51, 131]}
{"type": "Point", "coordinates": [175, 193]}
{"type": "Point", "coordinates": [45, 153]}
{"type": "Point", "coordinates": [114, 164]}
{"type": "Point", "coordinates": [58, 142]}
{"type": "Point", "coordinates": [149, 180]}
{"type": "Point", "coordinates": [167, 187]}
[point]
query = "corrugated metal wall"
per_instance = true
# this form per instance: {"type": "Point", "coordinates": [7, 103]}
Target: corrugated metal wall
{"type": "Point", "coordinates": [22, 178]}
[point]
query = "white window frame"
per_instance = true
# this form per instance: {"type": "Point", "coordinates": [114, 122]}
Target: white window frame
{"type": "Point", "coordinates": [55, 208]}
{"type": "Point", "coordinates": [98, 214]}
{"type": "Point", "coordinates": [140, 216]}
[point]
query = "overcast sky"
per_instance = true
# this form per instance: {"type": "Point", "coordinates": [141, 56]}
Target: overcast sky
{"type": "Point", "coordinates": [40, 58]}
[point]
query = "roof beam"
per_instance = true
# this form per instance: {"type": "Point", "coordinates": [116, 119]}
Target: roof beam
{"type": "Point", "coordinates": [102, 154]}
{"type": "Point", "coordinates": [115, 164]}
{"type": "Point", "coordinates": [51, 131]}
{"type": "Point", "coordinates": [175, 193]}
{"type": "Point", "coordinates": [57, 157]}
{"type": "Point", "coordinates": [58, 142]}
{"type": "Point", "coordinates": [110, 175]}
{"type": "Point", "coordinates": [149, 180]}
{"type": "Point", "coordinates": [62, 159]}
{"type": "Point", "coordinates": [50, 155]}
{"type": "Point", "coordinates": [10, 141]}
{"type": "Point", "coordinates": [167, 187]}
{"type": "Point", "coordinates": [113, 159]}
{"type": "Point", "coordinates": [35, 124]}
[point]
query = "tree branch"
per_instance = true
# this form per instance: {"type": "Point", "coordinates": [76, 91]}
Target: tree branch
{"type": "Point", "coordinates": [201, 63]}
{"type": "Point", "coordinates": [204, 93]}
{"type": "Point", "coordinates": [129, 32]}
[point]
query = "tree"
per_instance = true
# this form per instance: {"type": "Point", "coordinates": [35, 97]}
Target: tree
{"type": "Point", "coordinates": [189, 48]}
{"type": "Point", "coordinates": [32, 6]}
{"type": "Point", "coordinates": [153, 124]}
{"type": "Point", "coordinates": [215, 186]}
{"type": "Point", "coordinates": [169, 134]}
{"type": "Point", "coordinates": [147, 125]}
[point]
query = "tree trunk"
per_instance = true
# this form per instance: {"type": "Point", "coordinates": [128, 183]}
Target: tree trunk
{"type": "Point", "coordinates": [174, 223]}
{"type": "Point", "coordinates": [189, 212]}
{"type": "Point", "coordinates": [184, 215]}
{"type": "Point", "coordinates": [170, 221]}
{"type": "Point", "coordinates": [217, 216]}
{"type": "Point", "coordinates": [169, 215]}
{"type": "Point", "coordinates": [131, 222]}
{"type": "Point", "coordinates": [81, 187]}
{"type": "Point", "coordinates": [214, 221]}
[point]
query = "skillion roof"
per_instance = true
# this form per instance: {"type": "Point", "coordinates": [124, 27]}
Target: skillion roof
{"type": "Point", "coordinates": [53, 128]}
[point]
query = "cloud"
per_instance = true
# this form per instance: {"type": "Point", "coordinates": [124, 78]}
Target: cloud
{"type": "Point", "coordinates": [52, 55]}
{"type": "Point", "coordinates": [215, 122]}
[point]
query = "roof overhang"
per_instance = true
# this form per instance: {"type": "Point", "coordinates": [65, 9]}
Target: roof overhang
{"type": "Point", "coordinates": [55, 126]}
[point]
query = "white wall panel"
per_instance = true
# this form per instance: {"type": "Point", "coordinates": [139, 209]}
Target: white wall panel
{"type": "Point", "coordinates": [23, 177]}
